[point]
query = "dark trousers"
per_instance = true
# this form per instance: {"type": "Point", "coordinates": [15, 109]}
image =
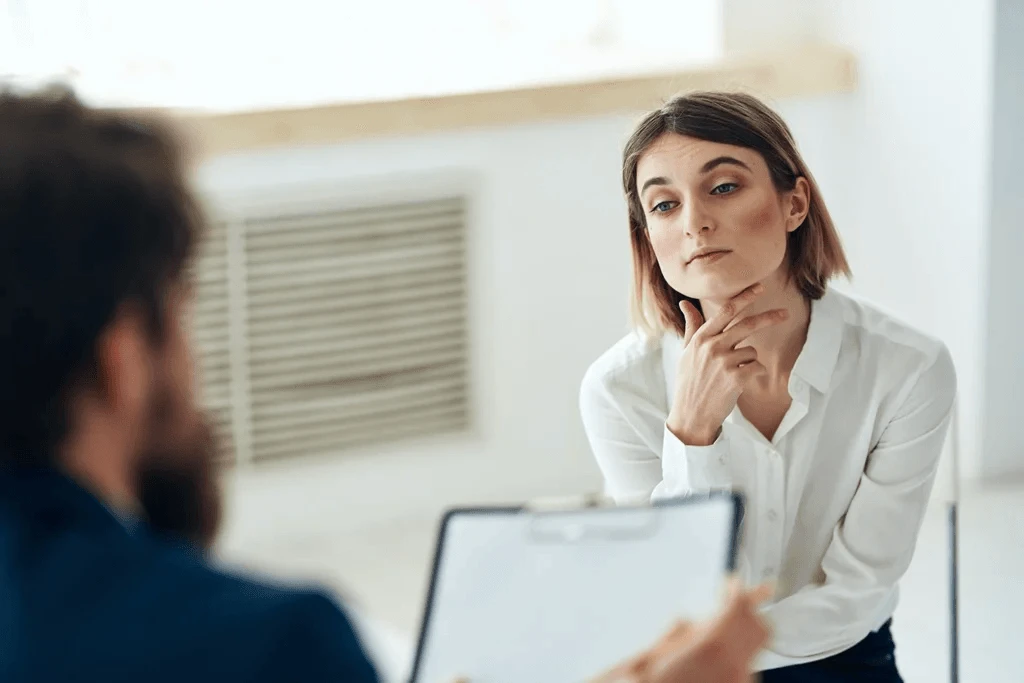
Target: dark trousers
{"type": "Point", "coordinates": [872, 659]}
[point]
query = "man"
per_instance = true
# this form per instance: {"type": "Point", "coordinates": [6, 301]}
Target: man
{"type": "Point", "coordinates": [108, 494]}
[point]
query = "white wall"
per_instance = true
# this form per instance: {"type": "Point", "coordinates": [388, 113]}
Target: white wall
{"type": "Point", "coordinates": [917, 184]}
{"type": "Point", "coordinates": [766, 25]}
{"type": "Point", "coordinates": [1003, 440]}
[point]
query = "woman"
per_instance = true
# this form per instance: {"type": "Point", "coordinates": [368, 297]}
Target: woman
{"type": "Point", "coordinates": [747, 371]}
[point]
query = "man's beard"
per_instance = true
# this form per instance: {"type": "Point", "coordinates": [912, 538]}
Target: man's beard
{"type": "Point", "coordinates": [179, 490]}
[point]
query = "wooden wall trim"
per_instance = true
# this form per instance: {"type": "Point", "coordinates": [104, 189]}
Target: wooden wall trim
{"type": "Point", "coordinates": [810, 70]}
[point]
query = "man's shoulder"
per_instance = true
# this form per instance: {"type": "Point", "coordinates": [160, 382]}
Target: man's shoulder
{"type": "Point", "coordinates": [291, 631]}
{"type": "Point", "coordinates": [140, 602]}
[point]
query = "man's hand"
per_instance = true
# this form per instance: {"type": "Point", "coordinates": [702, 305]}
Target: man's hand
{"type": "Point", "coordinates": [721, 650]}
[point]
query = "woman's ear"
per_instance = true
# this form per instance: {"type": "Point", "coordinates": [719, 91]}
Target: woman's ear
{"type": "Point", "coordinates": [799, 204]}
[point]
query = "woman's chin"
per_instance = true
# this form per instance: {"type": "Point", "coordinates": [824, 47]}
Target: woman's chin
{"type": "Point", "coordinates": [715, 292]}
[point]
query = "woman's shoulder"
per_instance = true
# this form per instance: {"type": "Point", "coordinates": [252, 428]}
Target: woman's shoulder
{"type": "Point", "coordinates": [876, 323]}
{"type": "Point", "coordinates": [634, 364]}
{"type": "Point", "coordinates": [878, 333]}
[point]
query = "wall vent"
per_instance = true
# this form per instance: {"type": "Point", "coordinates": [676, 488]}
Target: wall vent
{"type": "Point", "coordinates": [329, 327]}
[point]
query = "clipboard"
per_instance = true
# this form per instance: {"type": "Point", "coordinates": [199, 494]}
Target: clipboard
{"type": "Point", "coordinates": [558, 594]}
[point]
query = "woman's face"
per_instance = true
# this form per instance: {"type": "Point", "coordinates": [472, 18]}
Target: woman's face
{"type": "Point", "coordinates": [715, 220]}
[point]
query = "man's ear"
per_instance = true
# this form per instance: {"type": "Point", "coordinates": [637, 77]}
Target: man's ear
{"type": "Point", "coordinates": [124, 363]}
{"type": "Point", "coordinates": [799, 204]}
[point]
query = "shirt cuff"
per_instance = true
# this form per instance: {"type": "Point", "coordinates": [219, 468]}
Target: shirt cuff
{"type": "Point", "coordinates": [693, 469]}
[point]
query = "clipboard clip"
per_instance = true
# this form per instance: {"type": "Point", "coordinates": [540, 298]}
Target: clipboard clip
{"type": "Point", "coordinates": [574, 519]}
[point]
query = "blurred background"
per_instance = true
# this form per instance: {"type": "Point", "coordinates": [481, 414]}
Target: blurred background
{"type": "Point", "coordinates": [419, 245]}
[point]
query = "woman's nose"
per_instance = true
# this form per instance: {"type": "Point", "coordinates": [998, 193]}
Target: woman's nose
{"type": "Point", "coordinates": [695, 220]}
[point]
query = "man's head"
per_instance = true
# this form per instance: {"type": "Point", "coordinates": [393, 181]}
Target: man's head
{"type": "Point", "coordinates": [97, 228]}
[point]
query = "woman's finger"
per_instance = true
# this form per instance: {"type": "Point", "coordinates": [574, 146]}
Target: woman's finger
{"type": "Point", "coordinates": [740, 356]}
{"type": "Point", "coordinates": [732, 308]}
{"type": "Point", "coordinates": [748, 371]}
{"type": "Point", "coordinates": [693, 320]}
{"type": "Point", "coordinates": [751, 324]}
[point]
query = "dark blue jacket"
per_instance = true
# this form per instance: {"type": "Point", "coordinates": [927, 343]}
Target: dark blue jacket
{"type": "Point", "coordinates": [84, 597]}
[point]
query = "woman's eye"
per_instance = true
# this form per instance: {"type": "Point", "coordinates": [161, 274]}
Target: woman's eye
{"type": "Point", "coordinates": [662, 207]}
{"type": "Point", "coordinates": [724, 188]}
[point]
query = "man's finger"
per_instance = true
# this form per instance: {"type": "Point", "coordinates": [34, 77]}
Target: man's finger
{"type": "Point", "coordinates": [743, 622]}
{"type": "Point", "coordinates": [762, 593]}
{"type": "Point", "coordinates": [755, 634]}
{"type": "Point", "coordinates": [674, 638]}
{"type": "Point", "coordinates": [733, 308]}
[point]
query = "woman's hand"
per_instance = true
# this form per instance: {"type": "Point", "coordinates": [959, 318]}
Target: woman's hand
{"type": "Point", "coordinates": [713, 372]}
{"type": "Point", "coordinates": [722, 650]}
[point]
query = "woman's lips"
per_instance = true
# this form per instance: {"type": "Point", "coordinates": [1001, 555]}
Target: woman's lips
{"type": "Point", "coordinates": [708, 259]}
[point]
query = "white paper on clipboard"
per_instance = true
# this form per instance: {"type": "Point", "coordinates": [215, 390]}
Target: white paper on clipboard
{"type": "Point", "coordinates": [522, 596]}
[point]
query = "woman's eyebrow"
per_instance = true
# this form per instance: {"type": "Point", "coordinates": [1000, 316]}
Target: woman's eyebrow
{"type": "Point", "coordinates": [719, 161]}
{"type": "Point", "coordinates": [657, 180]}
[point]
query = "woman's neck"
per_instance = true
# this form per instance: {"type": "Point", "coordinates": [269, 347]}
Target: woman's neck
{"type": "Point", "coordinates": [777, 346]}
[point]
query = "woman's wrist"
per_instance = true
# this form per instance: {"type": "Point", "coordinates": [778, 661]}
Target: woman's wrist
{"type": "Point", "coordinates": [693, 435]}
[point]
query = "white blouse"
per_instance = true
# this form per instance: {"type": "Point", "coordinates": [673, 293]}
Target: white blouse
{"type": "Point", "coordinates": [834, 502]}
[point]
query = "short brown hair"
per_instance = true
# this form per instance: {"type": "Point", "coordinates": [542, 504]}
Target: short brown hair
{"type": "Point", "coordinates": [814, 250]}
{"type": "Point", "coordinates": [95, 213]}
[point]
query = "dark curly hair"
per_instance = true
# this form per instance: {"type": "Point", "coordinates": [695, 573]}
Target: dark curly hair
{"type": "Point", "coordinates": [95, 213]}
